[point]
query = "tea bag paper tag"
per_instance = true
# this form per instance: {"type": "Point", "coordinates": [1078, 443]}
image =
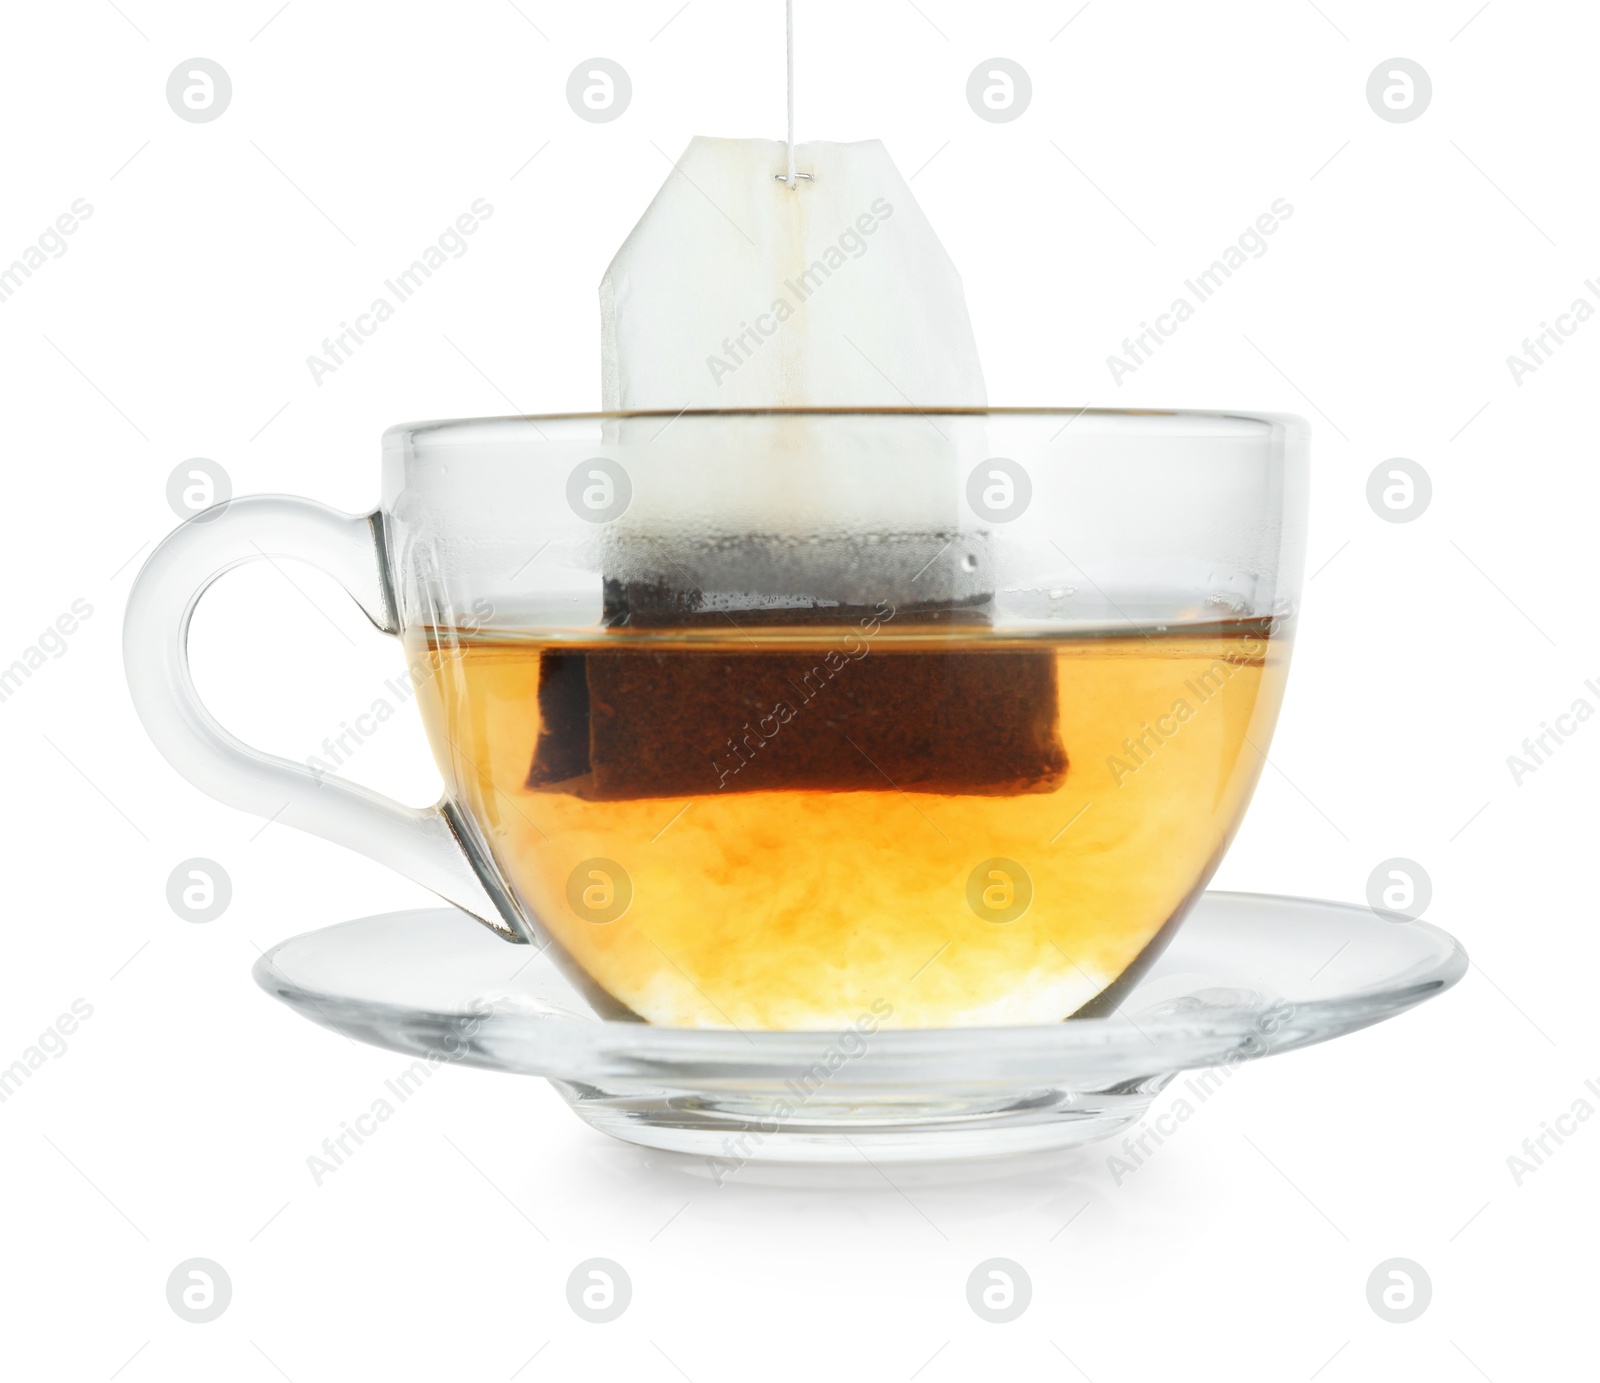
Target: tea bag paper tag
{"type": "Point", "coordinates": [734, 291]}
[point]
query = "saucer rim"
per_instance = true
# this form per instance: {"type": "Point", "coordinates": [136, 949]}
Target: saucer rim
{"type": "Point", "coordinates": [580, 1037]}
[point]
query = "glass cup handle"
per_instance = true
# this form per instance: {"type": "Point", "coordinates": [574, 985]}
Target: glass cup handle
{"type": "Point", "coordinates": [421, 843]}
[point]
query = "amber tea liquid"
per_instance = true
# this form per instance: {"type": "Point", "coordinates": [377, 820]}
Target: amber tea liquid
{"type": "Point", "coordinates": [793, 828]}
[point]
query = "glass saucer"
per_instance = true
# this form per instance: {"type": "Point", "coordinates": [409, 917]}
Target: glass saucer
{"type": "Point", "coordinates": [1246, 975]}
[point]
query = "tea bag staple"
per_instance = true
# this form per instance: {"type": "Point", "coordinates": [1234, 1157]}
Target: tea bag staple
{"type": "Point", "coordinates": [735, 291]}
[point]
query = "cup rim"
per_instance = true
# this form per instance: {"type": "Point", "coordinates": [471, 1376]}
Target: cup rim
{"type": "Point", "coordinates": [1290, 423]}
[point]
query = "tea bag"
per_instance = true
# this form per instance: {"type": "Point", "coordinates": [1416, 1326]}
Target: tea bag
{"type": "Point", "coordinates": [736, 291]}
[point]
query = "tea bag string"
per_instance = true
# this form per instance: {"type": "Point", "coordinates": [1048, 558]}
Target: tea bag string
{"type": "Point", "coordinates": [792, 178]}
{"type": "Point", "coordinates": [788, 36]}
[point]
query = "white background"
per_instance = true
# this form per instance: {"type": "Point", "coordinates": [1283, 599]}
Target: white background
{"type": "Point", "coordinates": [179, 1120]}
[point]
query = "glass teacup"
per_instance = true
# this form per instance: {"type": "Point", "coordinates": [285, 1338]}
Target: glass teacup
{"type": "Point", "coordinates": [789, 719]}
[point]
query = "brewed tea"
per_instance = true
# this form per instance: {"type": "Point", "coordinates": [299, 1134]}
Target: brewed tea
{"type": "Point", "coordinates": [789, 827]}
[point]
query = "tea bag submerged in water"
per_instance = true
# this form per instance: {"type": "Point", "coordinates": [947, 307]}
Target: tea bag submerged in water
{"type": "Point", "coordinates": [735, 291]}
